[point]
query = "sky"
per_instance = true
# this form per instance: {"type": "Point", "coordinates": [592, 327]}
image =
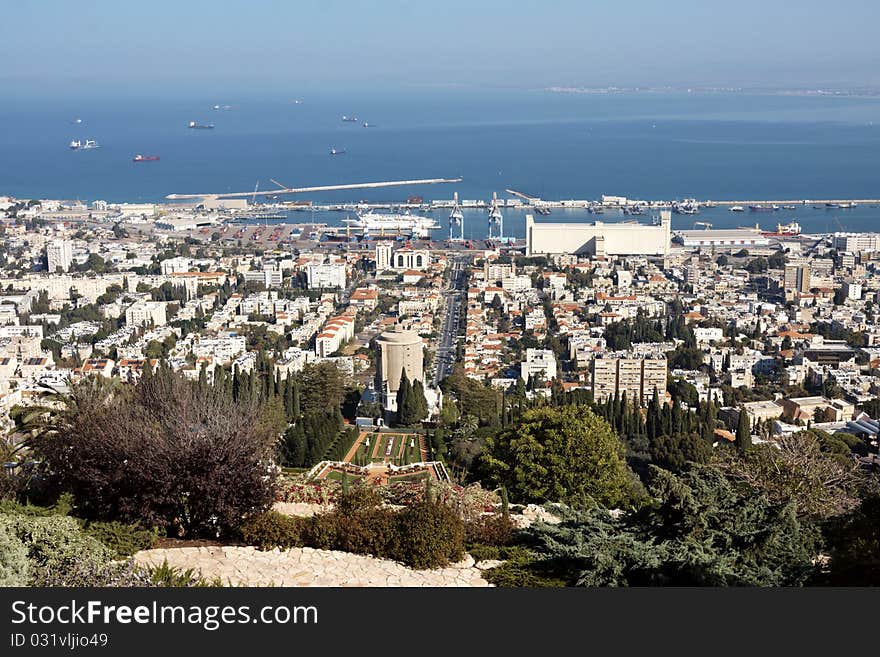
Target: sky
{"type": "Point", "coordinates": [262, 45]}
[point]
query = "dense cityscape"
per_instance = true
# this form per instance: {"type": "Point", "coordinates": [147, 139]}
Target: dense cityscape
{"type": "Point", "coordinates": [181, 381]}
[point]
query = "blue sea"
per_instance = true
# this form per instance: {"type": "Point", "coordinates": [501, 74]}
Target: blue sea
{"type": "Point", "coordinates": [556, 146]}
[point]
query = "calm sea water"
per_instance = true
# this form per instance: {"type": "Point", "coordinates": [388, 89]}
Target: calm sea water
{"type": "Point", "coordinates": [650, 146]}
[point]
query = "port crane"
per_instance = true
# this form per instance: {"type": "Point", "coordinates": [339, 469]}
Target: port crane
{"type": "Point", "coordinates": [456, 220]}
{"type": "Point", "coordinates": [318, 188]}
{"type": "Point", "coordinates": [496, 219]}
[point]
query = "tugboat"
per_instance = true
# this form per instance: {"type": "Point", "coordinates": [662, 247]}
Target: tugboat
{"type": "Point", "coordinates": [145, 158]}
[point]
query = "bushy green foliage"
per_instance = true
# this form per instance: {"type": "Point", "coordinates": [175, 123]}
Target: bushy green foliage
{"type": "Point", "coordinates": [700, 531]}
{"type": "Point", "coordinates": [490, 529]}
{"type": "Point", "coordinates": [854, 545]}
{"type": "Point", "coordinates": [170, 576]}
{"type": "Point", "coordinates": [423, 535]}
{"type": "Point", "coordinates": [430, 535]}
{"type": "Point", "coordinates": [54, 544]}
{"type": "Point", "coordinates": [563, 454]}
{"type": "Point", "coordinates": [272, 529]}
{"type": "Point", "coordinates": [14, 564]}
{"type": "Point", "coordinates": [676, 451]}
{"type": "Point", "coordinates": [123, 540]}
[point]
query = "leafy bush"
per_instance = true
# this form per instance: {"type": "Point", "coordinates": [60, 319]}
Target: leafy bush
{"type": "Point", "coordinates": [171, 576]}
{"type": "Point", "coordinates": [123, 540]}
{"type": "Point", "coordinates": [272, 529]}
{"type": "Point", "coordinates": [14, 565]}
{"type": "Point", "coordinates": [53, 541]}
{"type": "Point", "coordinates": [489, 530]}
{"type": "Point", "coordinates": [424, 535]}
{"type": "Point", "coordinates": [429, 535]}
{"type": "Point", "coordinates": [57, 550]}
{"type": "Point", "coordinates": [523, 569]}
{"type": "Point", "coordinates": [358, 498]}
{"type": "Point", "coordinates": [369, 531]}
{"type": "Point", "coordinates": [162, 453]}
{"type": "Point", "coordinates": [89, 573]}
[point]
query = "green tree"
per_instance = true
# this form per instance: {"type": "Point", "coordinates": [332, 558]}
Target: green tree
{"type": "Point", "coordinates": [559, 454]}
{"type": "Point", "coordinates": [743, 431]}
{"type": "Point", "coordinates": [701, 531]}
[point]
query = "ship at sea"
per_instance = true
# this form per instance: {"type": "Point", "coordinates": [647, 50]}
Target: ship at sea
{"type": "Point", "coordinates": [790, 229]}
{"type": "Point", "coordinates": [349, 119]}
{"type": "Point", "coordinates": [79, 145]}
{"type": "Point", "coordinates": [337, 151]}
{"type": "Point", "coordinates": [390, 224]}
{"type": "Point", "coordinates": [687, 206]}
{"type": "Point", "coordinates": [200, 126]}
{"type": "Point", "coordinates": [145, 158]}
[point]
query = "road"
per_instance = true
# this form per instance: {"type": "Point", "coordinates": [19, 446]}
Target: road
{"type": "Point", "coordinates": [444, 359]}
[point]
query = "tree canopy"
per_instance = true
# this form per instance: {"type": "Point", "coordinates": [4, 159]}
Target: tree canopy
{"type": "Point", "coordinates": [559, 454]}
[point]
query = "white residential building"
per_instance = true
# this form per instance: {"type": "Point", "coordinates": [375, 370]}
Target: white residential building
{"type": "Point", "coordinates": [326, 276]}
{"type": "Point", "coordinates": [146, 312]}
{"type": "Point", "coordinates": [59, 253]}
{"type": "Point", "coordinates": [383, 256]}
{"type": "Point", "coordinates": [539, 362]}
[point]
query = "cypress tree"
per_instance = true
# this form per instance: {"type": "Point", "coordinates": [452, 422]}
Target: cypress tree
{"type": "Point", "coordinates": [418, 401]}
{"type": "Point", "coordinates": [203, 378]}
{"type": "Point", "coordinates": [404, 405]}
{"type": "Point", "coordinates": [743, 431]}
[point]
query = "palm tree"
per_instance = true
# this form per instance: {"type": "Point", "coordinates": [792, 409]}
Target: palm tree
{"type": "Point", "coordinates": [46, 419]}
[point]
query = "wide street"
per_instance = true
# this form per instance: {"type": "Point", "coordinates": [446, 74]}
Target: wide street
{"type": "Point", "coordinates": [444, 359]}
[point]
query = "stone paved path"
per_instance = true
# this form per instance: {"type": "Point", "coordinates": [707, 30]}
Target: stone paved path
{"type": "Point", "coordinates": [247, 566]}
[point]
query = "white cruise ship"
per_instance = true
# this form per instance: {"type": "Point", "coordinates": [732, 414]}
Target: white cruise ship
{"type": "Point", "coordinates": [390, 224]}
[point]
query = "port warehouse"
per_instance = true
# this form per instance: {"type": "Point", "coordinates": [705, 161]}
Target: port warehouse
{"type": "Point", "coordinates": [598, 238]}
{"type": "Point", "coordinates": [630, 238]}
{"type": "Point", "coordinates": [742, 237]}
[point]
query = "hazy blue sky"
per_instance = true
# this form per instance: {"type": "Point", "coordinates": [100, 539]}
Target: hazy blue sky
{"type": "Point", "coordinates": [290, 44]}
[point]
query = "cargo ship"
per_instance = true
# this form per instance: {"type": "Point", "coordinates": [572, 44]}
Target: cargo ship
{"type": "Point", "coordinates": [201, 126]}
{"type": "Point", "coordinates": [407, 224]}
{"type": "Point", "coordinates": [79, 145]}
{"type": "Point", "coordinates": [145, 158]}
{"type": "Point", "coordinates": [791, 229]}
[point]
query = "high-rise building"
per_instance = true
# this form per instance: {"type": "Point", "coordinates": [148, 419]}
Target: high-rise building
{"type": "Point", "coordinates": [59, 253]}
{"type": "Point", "coordinates": [399, 351]}
{"type": "Point", "coordinates": [797, 279]}
{"type": "Point", "coordinates": [383, 256]}
{"type": "Point", "coordinates": [636, 375]}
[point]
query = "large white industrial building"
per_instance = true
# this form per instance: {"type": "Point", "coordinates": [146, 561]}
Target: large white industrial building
{"type": "Point", "coordinates": [730, 238]}
{"type": "Point", "coordinates": [598, 238]}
